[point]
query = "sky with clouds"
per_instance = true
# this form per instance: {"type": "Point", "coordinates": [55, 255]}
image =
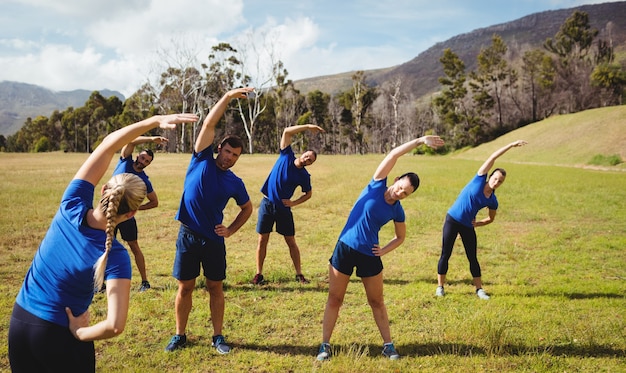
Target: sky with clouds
{"type": "Point", "coordinates": [121, 44]}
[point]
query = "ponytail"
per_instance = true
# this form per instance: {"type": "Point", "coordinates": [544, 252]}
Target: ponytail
{"type": "Point", "coordinates": [123, 194]}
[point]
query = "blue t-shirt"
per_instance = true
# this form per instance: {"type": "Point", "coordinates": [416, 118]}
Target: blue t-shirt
{"type": "Point", "coordinates": [206, 192]}
{"type": "Point", "coordinates": [125, 165]}
{"type": "Point", "coordinates": [61, 274]}
{"type": "Point", "coordinates": [368, 215]}
{"type": "Point", "coordinates": [471, 200]}
{"type": "Point", "coordinates": [284, 178]}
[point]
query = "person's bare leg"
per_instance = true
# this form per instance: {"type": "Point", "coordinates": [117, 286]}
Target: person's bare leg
{"type": "Point", "coordinates": [216, 304]}
{"type": "Point", "coordinates": [139, 259]}
{"type": "Point", "coordinates": [261, 251]}
{"type": "Point", "coordinates": [338, 283]}
{"type": "Point", "coordinates": [183, 303]}
{"type": "Point", "coordinates": [294, 252]}
{"type": "Point", "coordinates": [374, 291]}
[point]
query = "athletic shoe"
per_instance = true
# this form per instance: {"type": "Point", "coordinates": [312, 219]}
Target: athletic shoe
{"type": "Point", "coordinates": [482, 294]}
{"type": "Point", "coordinates": [177, 341]}
{"type": "Point", "coordinates": [145, 285]}
{"type": "Point", "coordinates": [300, 278]}
{"type": "Point", "coordinates": [390, 351]}
{"type": "Point", "coordinates": [220, 344]}
{"type": "Point", "coordinates": [440, 292]}
{"type": "Point", "coordinates": [324, 352]}
{"type": "Point", "coordinates": [258, 279]}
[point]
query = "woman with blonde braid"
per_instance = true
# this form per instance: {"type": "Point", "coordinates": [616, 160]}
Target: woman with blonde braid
{"type": "Point", "coordinates": [49, 329]}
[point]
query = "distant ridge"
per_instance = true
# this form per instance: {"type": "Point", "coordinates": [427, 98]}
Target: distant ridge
{"type": "Point", "coordinates": [19, 101]}
{"type": "Point", "coordinates": [420, 75]}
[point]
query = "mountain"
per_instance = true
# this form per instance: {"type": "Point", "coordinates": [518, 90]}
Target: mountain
{"type": "Point", "coordinates": [19, 101]}
{"type": "Point", "coordinates": [420, 75]}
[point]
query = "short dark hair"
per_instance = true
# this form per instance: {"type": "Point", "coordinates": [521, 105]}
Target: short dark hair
{"type": "Point", "coordinates": [148, 151]}
{"type": "Point", "coordinates": [233, 140]}
{"type": "Point", "coordinates": [413, 179]}
{"type": "Point", "coordinates": [502, 171]}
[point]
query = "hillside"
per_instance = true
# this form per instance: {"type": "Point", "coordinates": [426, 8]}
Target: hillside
{"type": "Point", "coordinates": [565, 140]}
{"type": "Point", "coordinates": [19, 101]}
{"type": "Point", "coordinates": [420, 75]}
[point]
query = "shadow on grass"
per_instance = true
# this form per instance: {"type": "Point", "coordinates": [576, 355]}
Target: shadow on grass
{"type": "Point", "coordinates": [458, 349]}
{"type": "Point", "coordinates": [579, 295]}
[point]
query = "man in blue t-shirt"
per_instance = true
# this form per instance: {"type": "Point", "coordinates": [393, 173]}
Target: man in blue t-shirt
{"type": "Point", "coordinates": [209, 185]}
{"type": "Point", "coordinates": [128, 229]}
{"type": "Point", "coordinates": [287, 174]}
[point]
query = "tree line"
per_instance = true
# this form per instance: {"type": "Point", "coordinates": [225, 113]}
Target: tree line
{"type": "Point", "coordinates": [573, 71]}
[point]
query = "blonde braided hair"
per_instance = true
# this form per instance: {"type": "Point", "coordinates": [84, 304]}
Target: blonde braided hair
{"type": "Point", "coordinates": [123, 193]}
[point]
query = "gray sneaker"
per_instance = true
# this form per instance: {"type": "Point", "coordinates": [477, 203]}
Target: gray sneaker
{"type": "Point", "coordinates": [390, 351]}
{"type": "Point", "coordinates": [324, 352]}
{"type": "Point", "coordinates": [482, 294]}
{"type": "Point", "coordinates": [440, 292]}
{"type": "Point", "coordinates": [220, 344]}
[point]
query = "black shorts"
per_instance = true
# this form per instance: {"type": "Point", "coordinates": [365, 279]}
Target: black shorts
{"type": "Point", "coordinates": [127, 229]}
{"type": "Point", "coordinates": [345, 258]}
{"type": "Point", "coordinates": [193, 250]}
{"type": "Point", "coordinates": [37, 345]}
{"type": "Point", "coordinates": [269, 214]}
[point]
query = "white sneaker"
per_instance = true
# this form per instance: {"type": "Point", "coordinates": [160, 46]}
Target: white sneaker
{"type": "Point", "coordinates": [440, 292]}
{"type": "Point", "coordinates": [482, 294]}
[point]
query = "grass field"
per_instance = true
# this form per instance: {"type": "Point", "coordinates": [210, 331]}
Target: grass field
{"type": "Point", "coordinates": [554, 262]}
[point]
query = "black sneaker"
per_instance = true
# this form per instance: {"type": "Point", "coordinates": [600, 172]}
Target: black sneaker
{"type": "Point", "coordinates": [145, 285]}
{"type": "Point", "coordinates": [177, 341]}
{"type": "Point", "coordinates": [300, 278]}
{"type": "Point", "coordinates": [220, 344]}
{"type": "Point", "coordinates": [258, 279]}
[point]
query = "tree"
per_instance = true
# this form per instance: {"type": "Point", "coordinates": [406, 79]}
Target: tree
{"type": "Point", "coordinates": [539, 73]}
{"type": "Point", "coordinates": [490, 81]}
{"type": "Point", "coordinates": [572, 45]}
{"type": "Point", "coordinates": [450, 103]}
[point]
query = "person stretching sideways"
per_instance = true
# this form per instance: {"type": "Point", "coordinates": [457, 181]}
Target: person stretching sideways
{"type": "Point", "coordinates": [209, 185]}
{"type": "Point", "coordinates": [461, 219]}
{"type": "Point", "coordinates": [128, 229]}
{"type": "Point", "coordinates": [358, 244]}
{"type": "Point", "coordinates": [49, 329]}
{"type": "Point", "coordinates": [287, 174]}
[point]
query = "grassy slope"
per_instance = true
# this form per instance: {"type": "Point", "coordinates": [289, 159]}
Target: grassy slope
{"type": "Point", "coordinates": [570, 140]}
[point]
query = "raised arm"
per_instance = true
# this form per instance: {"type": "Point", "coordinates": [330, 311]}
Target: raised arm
{"type": "Point", "coordinates": [288, 133]}
{"type": "Point", "coordinates": [128, 149]}
{"type": "Point", "coordinates": [484, 169]}
{"type": "Point", "coordinates": [207, 132]}
{"type": "Point", "coordinates": [98, 162]}
{"type": "Point", "coordinates": [385, 167]}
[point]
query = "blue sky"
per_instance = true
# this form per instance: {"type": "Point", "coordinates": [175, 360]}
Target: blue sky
{"type": "Point", "coordinates": [121, 44]}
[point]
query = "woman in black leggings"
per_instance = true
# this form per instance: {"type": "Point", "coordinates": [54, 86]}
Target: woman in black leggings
{"type": "Point", "coordinates": [461, 218]}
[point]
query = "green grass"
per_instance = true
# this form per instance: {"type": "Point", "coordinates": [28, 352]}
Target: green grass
{"type": "Point", "coordinates": [566, 140]}
{"type": "Point", "coordinates": [554, 262]}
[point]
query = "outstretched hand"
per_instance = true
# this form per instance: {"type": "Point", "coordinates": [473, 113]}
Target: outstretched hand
{"type": "Point", "coordinates": [519, 143]}
{"type": "Point", "coordinates": [170, 121]}
{"type": "Point", "coordinates": [315, 129]}
{"type": "Point", "coordinates": [432, 141]}
{"type": "Point", "coordinates": [160, 140]}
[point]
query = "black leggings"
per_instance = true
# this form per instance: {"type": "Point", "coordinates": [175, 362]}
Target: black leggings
{"type": "Point", "coordinates": [37, 345]}
{"type": "Point", "coordinates": [468, 235]}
